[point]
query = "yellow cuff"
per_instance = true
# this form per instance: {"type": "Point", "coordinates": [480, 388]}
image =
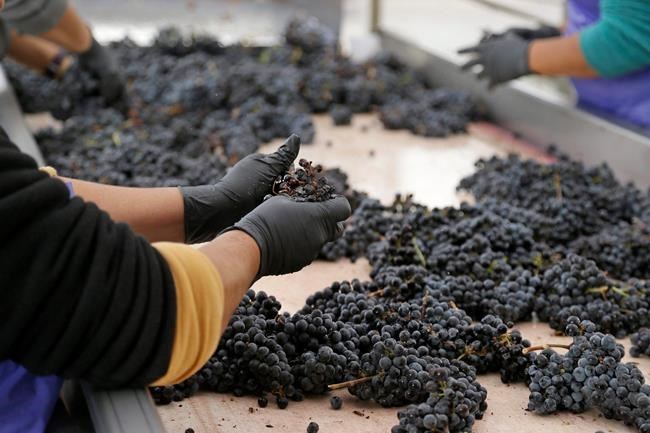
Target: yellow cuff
{"type": "Point", "coordinates": [49, 170]}
{"type": "Point", "coordinates": [199, 310]}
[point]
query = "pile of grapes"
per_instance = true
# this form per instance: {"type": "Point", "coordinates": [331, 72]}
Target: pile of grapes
{"type": "Point", "coordinates": [446, 287]}
{"type": "Point", "coordinates": [196, 103]}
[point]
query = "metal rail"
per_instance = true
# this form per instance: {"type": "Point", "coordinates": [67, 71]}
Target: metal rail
{"type": "Point", "coordinates": [122, 411]}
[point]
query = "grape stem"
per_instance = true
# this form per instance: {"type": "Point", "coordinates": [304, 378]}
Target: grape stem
{"type": "Point", "coordinates": [418, 252]}
{"type": "Point", "coordinates": [604, 289]}
{"type": "Point", "coordinates": [557, 181]}
{"type": "Point", "coordinates": [350, 383]}
{"type": "Point", "coordinates": [545, 346]}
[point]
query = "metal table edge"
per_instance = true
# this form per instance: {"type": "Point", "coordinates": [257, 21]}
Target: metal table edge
{"type": "Point", "coordinates": [122, 411]}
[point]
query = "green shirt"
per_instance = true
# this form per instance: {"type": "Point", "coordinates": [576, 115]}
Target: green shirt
{"type": "Point", "coordinates": [619, 43]}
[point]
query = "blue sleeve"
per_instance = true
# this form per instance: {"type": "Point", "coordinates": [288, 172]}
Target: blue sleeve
{"type": "Point", "coordinates": [619, 43]}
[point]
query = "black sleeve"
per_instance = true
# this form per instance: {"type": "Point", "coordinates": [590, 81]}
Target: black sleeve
{"type": "Point", "coordinates": [80, 296]}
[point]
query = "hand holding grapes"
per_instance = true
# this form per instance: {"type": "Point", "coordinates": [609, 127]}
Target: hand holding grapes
{"type": "Point", "coordinates": [211, 208]}
{"type": "Point", "coordinates": [290, 233]}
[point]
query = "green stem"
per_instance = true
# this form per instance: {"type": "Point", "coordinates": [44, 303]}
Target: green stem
{"type": "Point", "coordinates": [350, 383]}
{"type": "Point", "coordinates": [418, 252]}
{"type": "Point", "coordinates": [545, 346]}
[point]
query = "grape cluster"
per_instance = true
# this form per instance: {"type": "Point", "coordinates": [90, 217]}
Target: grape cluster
{"type": "Point", "coordinates": [575, 286]}
{"type": "Point", "coordinates": [390, 352]}
{"type": "Point", "coordinates": [579, 200]}
{"type": "Point", "coordinates": [589, 374]}
{"type": "Point", "coordinates": [341, 114]}
{"type": "Point", "coordinates": [369, 223]}
{"type": "Point", "coordinates": [640, 343]}
{"type": "Point", "coordinates": [178, 392]}
{"type": "Point", "coordinates": [122, 158]}
{"type": "Point", "coordinates": [393, 340]}
{"type": "Point", "coordinates": [436, 114]}
{"type": "Point", "coordinates": [623, 250]}
{"type": "Point", "coordinates": [455, 400]}
{"type": "Point", "coordinates": [305, 183]}
{"type": "Point", "coordinates": [492, 346]}
{"type": "Point", "coordinates": [397, 375]}
{"type": "Point", "coordinates": [511, 254]}
{"type": "Point", "coordinates": [310, 35]}
{"type": "Point", "coordinates": [339, 181]}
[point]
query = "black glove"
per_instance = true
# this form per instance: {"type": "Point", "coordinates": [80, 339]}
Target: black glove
{"type": "Point", "coordinates": [290, 234]}
{"type": "Point", "coordinates": [502, 59]}
{"type": "Point", "coordinates": [530, 34]}
{"type": "Point", "coordinates": [211, 208]}
{"type": "Point", "coordinates": [101, 63]}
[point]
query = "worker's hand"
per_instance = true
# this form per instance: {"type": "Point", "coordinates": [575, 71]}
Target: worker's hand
{"type": "Point", "coordinates": [112, 86]}
{"type": "Point", "coordinates": [529, 34]}
{"type": "Point", "coordinates": [211, 208]}
{"type": "Point", "coordinates": [290, 234]}
{"type": "Point", "coordinates": [502, 59]}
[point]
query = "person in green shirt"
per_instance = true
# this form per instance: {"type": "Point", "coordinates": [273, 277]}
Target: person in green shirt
{"type": "Point", "coordinates": [604, 48]}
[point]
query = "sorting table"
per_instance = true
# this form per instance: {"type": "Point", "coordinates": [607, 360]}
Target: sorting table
{"type": "Point", "coordinates": [384, 163]}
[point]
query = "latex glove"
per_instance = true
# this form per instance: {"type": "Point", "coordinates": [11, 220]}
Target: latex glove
{"type": "Point", "coordinates": [503, 59]}
{"type": "Point", "coordinates": [529, 34]}
{"type": "Point", "coordinates": [290, 234]}
{"type": "Point", "coordinates": [101, 63]}
{"type": "Point", "coordinates": [211, 208]}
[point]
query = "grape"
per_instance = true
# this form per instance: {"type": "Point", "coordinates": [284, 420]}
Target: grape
{"type": "Point", "coordinates": [640, 342]}
{"type": "Point", "coordinates": [336, 402]}
{"type": "Point", "coordinates": [341, 115]}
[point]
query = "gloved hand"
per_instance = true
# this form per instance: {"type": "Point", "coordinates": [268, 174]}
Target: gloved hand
{"type": "Point", "coordinates": [211, 208]}
{"type": "Point", "coordinates": [502, 59]}
{"type": "Point", "coordinates": [529, 34]}
{"type": "Point", "coordinates": [290, 234]}
{"type": "Point", "coordinates": [101, 63]}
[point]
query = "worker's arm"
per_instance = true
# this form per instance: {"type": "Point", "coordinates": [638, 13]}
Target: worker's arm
{"type": "Point", "coordinates": [559, 56]}
{"type": "Point", "coordinates": [83, 297]}
{"type": "Point", "coordinates": [155, 213]}
{"type": "Point", "coordinates": [549, 53]}
{"type": "Point", "coordinates": [198, 213]}
{"type": "Point", "coordinates": [619, 43]}
{"type": "Point", "coordinates": [510, 56]}
{"type": "Point", "coordinates": [209, 283]}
